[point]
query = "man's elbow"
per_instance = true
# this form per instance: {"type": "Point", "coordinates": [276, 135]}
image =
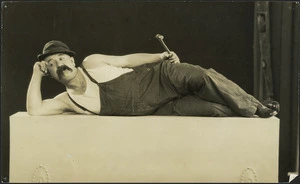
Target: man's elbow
{"type": "Point", "coordinates": [43, 112]}
{"type": "Point", "coordinates": [34, 112]}
{"type": "Point", "coordinates": [125, 62]}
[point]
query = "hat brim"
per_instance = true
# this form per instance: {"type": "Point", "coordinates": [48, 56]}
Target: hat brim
{"type": "Point", "coordinates": [40, 57]}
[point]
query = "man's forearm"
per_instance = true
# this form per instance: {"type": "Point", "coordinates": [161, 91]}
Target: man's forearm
{"type": "Point", "coordinates": [133, 60]}
{"type": "Point", "coordinates": [129, 61]}
{"type": "Point", "coordinates": [34, 96]}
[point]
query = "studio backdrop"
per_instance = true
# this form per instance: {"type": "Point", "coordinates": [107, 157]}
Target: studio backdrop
{"type": "Point", "coordinates": [217, 35]}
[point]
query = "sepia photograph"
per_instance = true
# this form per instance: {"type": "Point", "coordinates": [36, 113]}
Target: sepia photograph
{"type": "Point", "coordinates": [150, 91]}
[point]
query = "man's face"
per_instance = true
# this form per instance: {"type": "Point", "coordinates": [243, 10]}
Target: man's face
{"type": "Point", "coordinates": [61, 67]}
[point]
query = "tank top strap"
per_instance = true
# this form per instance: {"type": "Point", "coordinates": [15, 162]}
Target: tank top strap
{"type": "Point", "coordinates": [87, 73]}
{"type": "Point", "coordinates": [81, 107]}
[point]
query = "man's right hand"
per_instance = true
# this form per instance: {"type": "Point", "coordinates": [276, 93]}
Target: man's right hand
{"type": "Point", "coordinates": [35, 105]}
{"type": "Point", "coordinates": [40, 68]}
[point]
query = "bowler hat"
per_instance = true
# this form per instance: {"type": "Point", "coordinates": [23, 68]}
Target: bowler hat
{"type": "Point", "coordinates": [54, 47]}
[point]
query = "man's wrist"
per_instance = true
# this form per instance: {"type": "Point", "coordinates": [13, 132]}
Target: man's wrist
{"type": "Point", "coordinates": [162, 57]}
{"type": "Point", "coordinates": [37, 76]}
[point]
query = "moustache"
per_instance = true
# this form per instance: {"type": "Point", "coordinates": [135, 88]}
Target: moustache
{"type": "Point", "coordinates": [61, 69]}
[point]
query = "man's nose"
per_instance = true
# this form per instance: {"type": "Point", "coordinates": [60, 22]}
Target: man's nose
{"type": "Point", "coordinates": [59, 63]}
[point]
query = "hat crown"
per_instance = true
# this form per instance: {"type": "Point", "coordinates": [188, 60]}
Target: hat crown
{"type": "Point", "coordinates": [54, 47]}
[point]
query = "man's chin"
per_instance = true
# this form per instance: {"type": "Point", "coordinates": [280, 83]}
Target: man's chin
{"type": "Point", "coordinates": [65, 78]}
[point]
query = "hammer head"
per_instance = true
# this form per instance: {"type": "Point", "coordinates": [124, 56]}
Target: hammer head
{"type": "Point", "coordinates": [160, 37]}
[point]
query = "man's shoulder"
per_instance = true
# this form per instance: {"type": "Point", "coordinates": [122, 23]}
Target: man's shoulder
{"type": "Point", "coordinates": [93, 57]}
{"type": "Point", "coordinates": [64, 97]}
{"type": "Point", "coordinates": [93, 60]}
{"type": "Point", "coordinates": [89, 58]}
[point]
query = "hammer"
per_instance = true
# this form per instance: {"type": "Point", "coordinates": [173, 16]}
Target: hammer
{"type": "Point", "coordinates": [160, 39]}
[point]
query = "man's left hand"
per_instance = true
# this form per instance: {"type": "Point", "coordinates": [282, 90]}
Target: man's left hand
{"type": "Point", "coordinates": [170, 57]}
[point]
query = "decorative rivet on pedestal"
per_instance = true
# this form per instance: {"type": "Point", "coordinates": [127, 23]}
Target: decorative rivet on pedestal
{"type": "Point", "coordinates": [248, 176]}
{"type": "Point", "coordinates": [40, 175]}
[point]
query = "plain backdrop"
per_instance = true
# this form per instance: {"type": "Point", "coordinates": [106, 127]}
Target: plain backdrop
{"type": "Point", "coordinates": [215, 35]}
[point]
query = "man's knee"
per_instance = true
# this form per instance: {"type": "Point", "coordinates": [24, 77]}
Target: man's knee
{"type": "Point", "coordinates": [186, 78]}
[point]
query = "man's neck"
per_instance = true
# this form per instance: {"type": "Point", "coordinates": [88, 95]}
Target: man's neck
{"type": "Point", "coordinates": [78, 84]}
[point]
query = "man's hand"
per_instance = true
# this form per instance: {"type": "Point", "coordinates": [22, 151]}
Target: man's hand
{"type": "Point", "coordinates": [172, 57]}
{"type": "Point", "coordinates": [40, 69]}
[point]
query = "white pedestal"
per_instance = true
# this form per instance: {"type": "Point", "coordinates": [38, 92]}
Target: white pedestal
{"type": "Point", "coordinates": [86, 148]}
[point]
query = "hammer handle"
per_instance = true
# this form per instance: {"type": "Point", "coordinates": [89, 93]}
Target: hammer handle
{"type": "Point", "coordinates": [164, 45]}
{"type": "Point", "coordinates": [160, 39]}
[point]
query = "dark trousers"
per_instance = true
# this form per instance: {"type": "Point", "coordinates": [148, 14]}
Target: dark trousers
{"type": "Point", "coordinates": [175, 89]}
{"type": "Point", "coordinates": [205, 92]}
